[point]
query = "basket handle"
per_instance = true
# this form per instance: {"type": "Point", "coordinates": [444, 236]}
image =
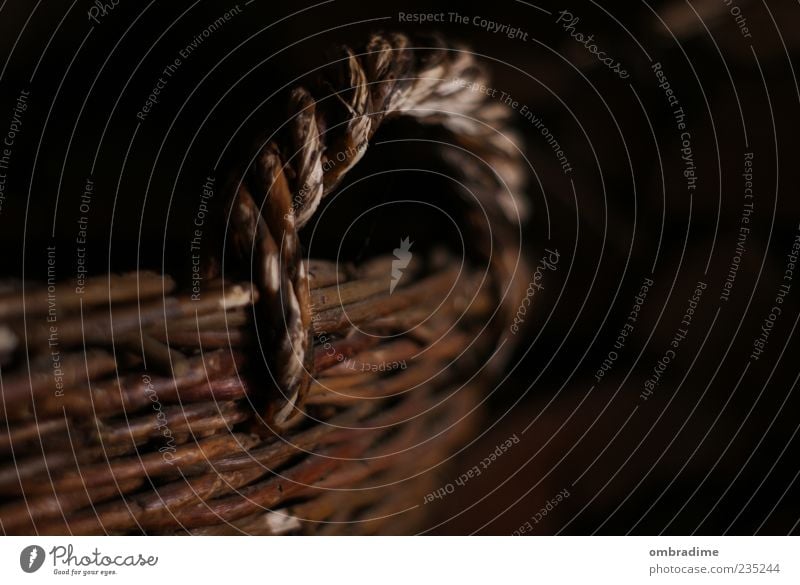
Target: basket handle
{"type": "Point", "coordinates": [323, 139]}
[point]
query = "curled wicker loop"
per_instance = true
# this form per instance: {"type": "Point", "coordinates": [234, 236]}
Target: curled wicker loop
{"type": "Point", "coordinates": [147, 424]}
{"type": "Point", "coordinates": [392, 76]}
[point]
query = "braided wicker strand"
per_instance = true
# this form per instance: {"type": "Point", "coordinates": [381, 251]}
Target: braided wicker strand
{"type": "Point", "coordinates": [326, 137]}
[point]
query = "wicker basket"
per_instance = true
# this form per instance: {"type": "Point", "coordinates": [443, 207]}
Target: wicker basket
{"type": "Point", "coordinates": [291, 394]}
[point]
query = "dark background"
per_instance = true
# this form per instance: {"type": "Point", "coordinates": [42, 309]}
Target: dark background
{"type": "Point", "coordinates": [714, 450]}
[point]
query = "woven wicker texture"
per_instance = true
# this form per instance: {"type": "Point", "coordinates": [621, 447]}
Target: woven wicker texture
{"type": "Point", "coordinates": [302, 395]}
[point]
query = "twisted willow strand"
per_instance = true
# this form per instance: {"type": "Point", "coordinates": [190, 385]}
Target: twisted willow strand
{"type": "Point", "coordinates": [327, 133]}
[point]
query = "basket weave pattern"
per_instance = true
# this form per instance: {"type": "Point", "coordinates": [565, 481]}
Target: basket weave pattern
{"type": "Point", "coordinates": [303, 395]}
